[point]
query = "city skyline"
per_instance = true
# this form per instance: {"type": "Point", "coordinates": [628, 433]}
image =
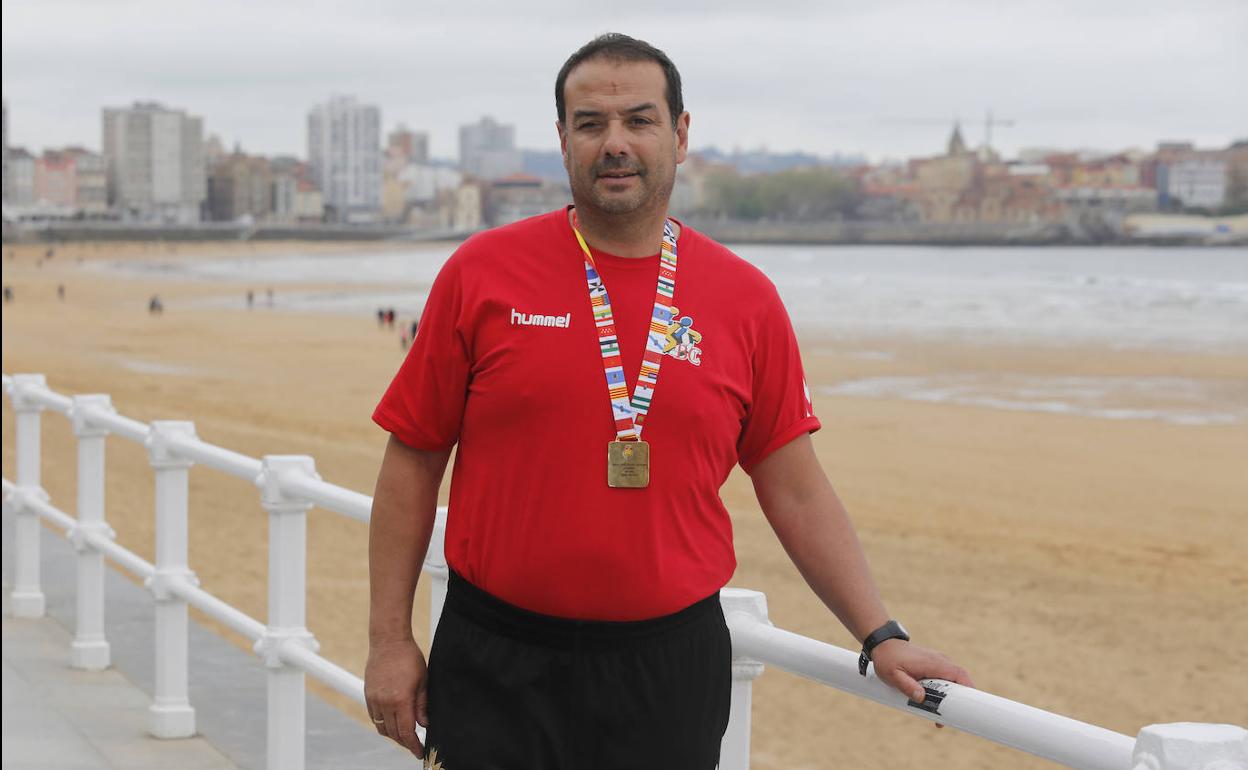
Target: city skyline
{"type": "Point", "coordinates": [1109, 78]}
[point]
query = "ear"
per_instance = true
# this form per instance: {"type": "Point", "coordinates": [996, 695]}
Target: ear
{"type": "Point", "coordinates": [563, 141]}
{"type": "Point", "coordinates": [682, 137]}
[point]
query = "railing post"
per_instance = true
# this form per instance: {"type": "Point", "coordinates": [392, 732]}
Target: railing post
{"type": "Point", "coordinates": [27, 597]}
{"type": "Point", "coordinates": [90, 650]}
{"type": "Point", "coordinates": [734, 751]}
{"type": "Point", "coordinates": [1189, 746]}
{"type": "Point", "coordinates": [439, 573]}
{"type": "Point", "coordinates": [171, 714]}
{"type": "Point", "coordinates": [287, 619]}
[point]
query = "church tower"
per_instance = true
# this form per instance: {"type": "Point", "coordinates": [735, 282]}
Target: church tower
{"type": "Point", "coordinates": [956, 145]}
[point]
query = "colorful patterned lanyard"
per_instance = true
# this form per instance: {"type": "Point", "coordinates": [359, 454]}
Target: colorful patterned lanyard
{"type": "Point", "coordinates": [630, 416]}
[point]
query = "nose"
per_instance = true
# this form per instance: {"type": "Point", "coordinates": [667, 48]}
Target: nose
{"type": "Point", "coordinates": [615, 144]}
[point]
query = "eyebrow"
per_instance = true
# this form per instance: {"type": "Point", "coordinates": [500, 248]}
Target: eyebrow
{"type": "Point", "coordinates": [576, 114]}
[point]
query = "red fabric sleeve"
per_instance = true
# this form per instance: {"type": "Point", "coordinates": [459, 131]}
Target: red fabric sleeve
{"type": "Point", "coordinates": [424, 405]}
{"type": "Point", "coordinates": [780, 408]}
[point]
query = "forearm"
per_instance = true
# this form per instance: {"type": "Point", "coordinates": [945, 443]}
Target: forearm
{"type": "Point", "coordinates": [823, 545]}
{"type": "Point", "coordinates": [814, 528]}
{"type": "Point", "coordinates": [404, 505]}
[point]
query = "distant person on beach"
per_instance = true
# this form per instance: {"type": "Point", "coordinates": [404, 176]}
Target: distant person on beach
{"type": "Point", "coordinates": [155, 306]}
{"type": "Point", "coordinates": [60, 291]}
{"type": "Point", "coordinates": [8, 293]}
{"type": "Point", "coordinates": [251, 299]}
{"type": "Point", "coordinates": [582, 626]}
{"type": "Point", "coordinates": [381, 318]}
{"type": "Point", "coordinates": [409, 333]}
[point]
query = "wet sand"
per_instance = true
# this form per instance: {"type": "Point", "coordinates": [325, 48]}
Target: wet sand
{"type": "Point", "coordinates": [1087, 566]}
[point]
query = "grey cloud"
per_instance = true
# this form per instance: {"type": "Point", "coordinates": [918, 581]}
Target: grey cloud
{"type": "Point", "coordinates": [819, 75]}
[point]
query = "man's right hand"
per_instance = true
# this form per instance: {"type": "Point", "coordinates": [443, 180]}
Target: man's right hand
{"type": "Point", "coordinates": [395, 680]}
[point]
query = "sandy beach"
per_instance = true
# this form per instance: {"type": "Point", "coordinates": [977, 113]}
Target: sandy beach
{"type": "Point", "coordinates": [1087, 566]}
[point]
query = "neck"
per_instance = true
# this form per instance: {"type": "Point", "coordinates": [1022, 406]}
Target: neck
{"type": "Point", "coordinates": [637, 236]}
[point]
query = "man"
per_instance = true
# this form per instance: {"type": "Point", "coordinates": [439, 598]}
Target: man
{"type": "Point", "coordinates": [586, 537]}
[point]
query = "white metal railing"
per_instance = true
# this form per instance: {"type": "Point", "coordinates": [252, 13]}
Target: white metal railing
{"type": "Point", "coordinates": [289, 486]}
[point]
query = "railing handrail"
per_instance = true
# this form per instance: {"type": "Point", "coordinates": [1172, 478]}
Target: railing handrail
{"type": "Point", "coordinates": [289, 485]}
{"type": "Point", "coordinates": [1035, 731]}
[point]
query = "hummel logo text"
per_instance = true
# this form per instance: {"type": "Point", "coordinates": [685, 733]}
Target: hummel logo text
{"type": "Point", "coordinates": [536, 319]}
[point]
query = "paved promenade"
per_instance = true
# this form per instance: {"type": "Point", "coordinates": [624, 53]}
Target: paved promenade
{"type": "Point", "coordinates": [58, 718]}
{"type": "Point", "coordinates": [62, 718]}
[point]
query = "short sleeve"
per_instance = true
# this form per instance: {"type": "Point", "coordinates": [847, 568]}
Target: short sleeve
{"type": "Point", "coordinates": [780, 407]}
{"type": "Point", "coordinates": [424, 405]}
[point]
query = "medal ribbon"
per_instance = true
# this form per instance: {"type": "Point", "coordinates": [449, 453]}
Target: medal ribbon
{"type": "Point", "coordinates": [631, 415]}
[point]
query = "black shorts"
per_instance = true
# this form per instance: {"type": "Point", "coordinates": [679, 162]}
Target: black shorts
{"type": "Point", "coordinates": [511, 689]}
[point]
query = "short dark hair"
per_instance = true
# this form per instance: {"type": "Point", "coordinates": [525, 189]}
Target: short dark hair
{"type": "Point", "coordinates": [620, 47]}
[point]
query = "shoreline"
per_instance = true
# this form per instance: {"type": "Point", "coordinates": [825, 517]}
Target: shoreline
{"type": "Point", "coordinates": [1076, 564]}
{"type": "Point", "coordinates": [1213, 232]}
{"type": "Point", "coordinates": [1102, 309]}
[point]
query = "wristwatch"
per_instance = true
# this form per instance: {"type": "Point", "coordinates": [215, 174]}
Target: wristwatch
{"type": "Point", "coordinates": [890, 630]}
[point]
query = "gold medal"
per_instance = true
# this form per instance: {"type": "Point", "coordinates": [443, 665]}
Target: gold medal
{"type": "Point", "coordinates": [628, 464]}
{"type": "Point", "coordinates": [628, 457]}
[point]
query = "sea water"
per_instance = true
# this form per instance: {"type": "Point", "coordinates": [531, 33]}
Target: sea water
{"type": "Point", "coordinates": [1133, 297]}
{"type": "Point", "coordinates": [1173, 299]}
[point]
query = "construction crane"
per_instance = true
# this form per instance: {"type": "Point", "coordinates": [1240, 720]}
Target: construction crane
{"type": "Point", "coordinates": [989, 122]}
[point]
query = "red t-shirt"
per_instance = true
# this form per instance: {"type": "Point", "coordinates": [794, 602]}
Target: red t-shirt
{"type": "Point", "coordinates": [506, 363]}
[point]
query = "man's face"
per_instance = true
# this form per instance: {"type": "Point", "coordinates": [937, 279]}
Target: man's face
{"type": "Point", "coordinates": [619, 145]}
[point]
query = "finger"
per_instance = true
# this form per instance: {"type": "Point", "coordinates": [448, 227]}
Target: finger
{"type": "Point", "coordinates": [405, 717]}
{"type": "Point", "coordinates": [392, 726]}
{"type": "Point", "coordinates": [374, 714]}
{"type": "Point", "coordinates": [422, 705]}
{"type": "Point", "coordinates": [907, 684]}
{"type": "Point", "coordinates": [943, 668]}
{"type": "Point", "coordinates": [963, 677]}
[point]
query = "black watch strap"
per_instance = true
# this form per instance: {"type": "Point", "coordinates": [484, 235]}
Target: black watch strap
{"type": "Point", "coordinates": [890, 630]}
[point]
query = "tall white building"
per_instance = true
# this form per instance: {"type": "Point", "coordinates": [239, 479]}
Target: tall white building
{"type": "Point", "coordinates": [344, 157]}
{"type": "Point", "coordinates": [1199, 179]}
{"type": "Point", "coordinates": [155, 162]}
{"type": "Point", "coordinates": [487, 150]}
{"type": "Point", "coordinates": [19, 177]}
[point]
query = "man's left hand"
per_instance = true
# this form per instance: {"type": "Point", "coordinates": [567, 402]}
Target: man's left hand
{"type": "Point", "coordinates": [902, 664]}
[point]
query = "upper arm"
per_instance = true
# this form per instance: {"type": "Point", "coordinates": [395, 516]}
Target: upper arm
{"type": "Point", "coordinates": [409, 474]}
{"type": "Point", "coordinates": [779, 409]}
{"type": "Point", "coordinates": [424, 404]}
{"type": "Point", "coordinates": [789, 476]}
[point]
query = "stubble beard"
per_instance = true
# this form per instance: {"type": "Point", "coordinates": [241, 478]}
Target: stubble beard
{"type": "Point", "coordinates": [644, 200]}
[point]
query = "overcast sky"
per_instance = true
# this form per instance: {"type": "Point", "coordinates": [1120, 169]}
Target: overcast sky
{"type": "Point", "coordinates": [883, 78]}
